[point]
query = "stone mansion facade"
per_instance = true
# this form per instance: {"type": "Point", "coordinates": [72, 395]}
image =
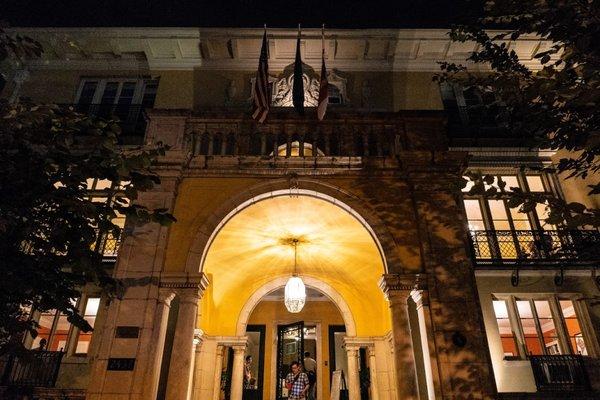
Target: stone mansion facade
{"type": "Point", "coordinates": [414, 289]}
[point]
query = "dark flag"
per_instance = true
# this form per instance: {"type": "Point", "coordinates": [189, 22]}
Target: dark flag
{"type": "Point", "coordinates": [262, 96]}
{"type": "Point", "coordinates": [298, 88]}
{"type": "Point", "coordinates": [323, 83]}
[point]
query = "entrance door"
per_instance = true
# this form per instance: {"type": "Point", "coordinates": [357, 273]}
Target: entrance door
{"type": "Point", "coordinates": [290, 347]}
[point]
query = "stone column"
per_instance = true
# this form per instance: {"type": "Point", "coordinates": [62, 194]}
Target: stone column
{"type": "Point", "coordinates": [182, 356]}
{"type": "Point", "coordinates": [373, 372]}
{"type": "Point", "coordinates": [353, 379]}
{"type": "Point", "coordinates": [237, 375]}
{"type": "Point", "coordinates": [218, 371]}
{"type": "Point", "coordinates": [397, 289]}
{"type": "Point", "coordinates": [196, 375]}
{"type": "Point", "coordinates": [161, 316]}
{"type": "Point", "coordinates": [421, 299]}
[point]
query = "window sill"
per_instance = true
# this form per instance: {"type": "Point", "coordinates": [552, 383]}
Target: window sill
{"type": "Point", "coordinates": [515, 361]}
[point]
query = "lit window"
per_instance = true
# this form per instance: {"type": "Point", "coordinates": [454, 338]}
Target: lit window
{"type": "Point", "coordinates": [499, 215]}
{"type": "Point", "coordinates": [474, 215]}
{"type": "Point", "coordinates": [535, 183]}
{"type": "Point", "coordinates": [548, 332]}
{"type": "Point", "coordinates": [540, 327]}
{"type": "Point", "coordinates": [469, 184]}
{"type": "Point", "coordinates": [84, 338]}
{"type": "Point", "coordinates": [510, 182]}
{"type": "Point", "coordinates": [574, 333]}
{"type": "Point", "coordinates": [528, 325]}
{"type": "Point", "coordinates": [53, 330]}
{"type": "Point", "coordinates": [507, 336]}
{"type": "Point", "coordinates": [295, 150]}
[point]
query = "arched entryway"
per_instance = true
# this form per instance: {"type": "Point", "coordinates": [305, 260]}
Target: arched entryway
{"type": "Point", "coordinates": [248, 256]}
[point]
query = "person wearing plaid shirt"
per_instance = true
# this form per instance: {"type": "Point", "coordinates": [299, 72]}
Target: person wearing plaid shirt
{"type": "Point", "coordinates": [297, 382]}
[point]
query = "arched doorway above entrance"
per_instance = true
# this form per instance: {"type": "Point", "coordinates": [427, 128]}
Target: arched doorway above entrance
{"type": "Point", "coordinates": [251, 249]}
{"type": "Point", "coordinates": [306, 337]}
{"type": "Point", "coordinates": [310, 282]}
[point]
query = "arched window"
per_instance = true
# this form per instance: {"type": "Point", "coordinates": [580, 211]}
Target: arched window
{"type": "Point", "coordinates": [295, 150]}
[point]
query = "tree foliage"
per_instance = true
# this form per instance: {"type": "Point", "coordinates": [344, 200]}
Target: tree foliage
{"type": "Point", "coordinates": [556, 108]}
{"type": "Point", "coordinates": [51, 230]}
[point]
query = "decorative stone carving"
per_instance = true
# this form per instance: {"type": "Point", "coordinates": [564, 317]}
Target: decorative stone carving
{"type": "Point", "coordinates": [231, 92]}
{"type": "Point", "coordinates": [405, 282]}
{"type": "Point", "coordinates": [282, 86]}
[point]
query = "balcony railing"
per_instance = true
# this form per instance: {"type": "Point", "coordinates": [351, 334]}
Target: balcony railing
{"type": "Point", "coordinates": [131, 118]}
{"type": "Point", "coordinates": [32, 369]}
{"type": "Point", "coordinates": [535, 247]}
{"type": "Point", "coordinates": [560, 373]}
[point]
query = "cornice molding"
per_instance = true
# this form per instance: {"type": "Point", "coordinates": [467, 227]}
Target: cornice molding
{"type": "Point", "coordinates": [390, 283]}
{"type": "Point", "coordinates": [234, 49]}
{"type": "Point", "coordinates": [182, 281]}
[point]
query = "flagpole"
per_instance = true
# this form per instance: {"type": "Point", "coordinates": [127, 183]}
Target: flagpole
{"type": "Point", "coordinates": [323, 39]}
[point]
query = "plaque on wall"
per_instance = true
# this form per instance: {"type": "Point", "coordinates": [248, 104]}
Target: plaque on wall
{"type": "Point", "coordinates": [120, 364]}
{"type": "Point", "coordinates": [127, 332]}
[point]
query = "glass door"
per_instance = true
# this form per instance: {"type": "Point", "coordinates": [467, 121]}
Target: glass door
{"type": "Point", "coordinates": [290, 347]}
{"type": "Point", "coordinates": [254, 363]}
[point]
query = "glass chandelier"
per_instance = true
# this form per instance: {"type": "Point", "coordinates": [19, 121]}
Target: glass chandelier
{"type": "Point", "coordinates": [295, 291]}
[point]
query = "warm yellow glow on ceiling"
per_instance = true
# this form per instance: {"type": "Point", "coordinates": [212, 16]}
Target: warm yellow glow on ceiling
{"type": "Point", "coordinates": [253, 248]}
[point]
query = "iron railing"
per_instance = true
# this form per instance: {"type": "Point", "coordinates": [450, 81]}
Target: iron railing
{"type": "Point", "coordinates": [535, 246]}
{"type": "Point", "coordinates": [130, 116]}
{"type": "Point", "coordinates": [560, 373]}
{"type": "Point", "coordinates": [35, 368]}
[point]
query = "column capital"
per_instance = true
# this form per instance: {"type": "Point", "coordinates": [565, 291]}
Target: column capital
{"type": "Point", "coordinates": [420, 297]}
{"type": "Point", "coordinates": [392, 284]}
{"type": "Point", "coordinates": [189, 287]}
{"type": "Point", "coordinates": [198, 337]}
{"type": "Point", "coordinates": [166, 296]}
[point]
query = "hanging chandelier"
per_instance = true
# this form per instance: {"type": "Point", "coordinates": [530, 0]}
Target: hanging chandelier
{"type": "Point", "coordinates": [295, 291]}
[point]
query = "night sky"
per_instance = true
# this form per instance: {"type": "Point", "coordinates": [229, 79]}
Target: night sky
{"type": "Point", "coordinates": [241, 13]}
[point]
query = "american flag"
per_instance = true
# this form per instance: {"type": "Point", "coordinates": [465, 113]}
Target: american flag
{"type": "Point", "coordinates": [323, 84]}
{"type": "Point", "coordinates": [262, 95]}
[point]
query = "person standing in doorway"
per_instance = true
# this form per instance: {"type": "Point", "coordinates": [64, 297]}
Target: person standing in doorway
{"type": "Point", "coordinates": [248, 380]}
{"type": "Point", "coordinates": [310, 366]}
{"type": "Point", "coordinates": [296, 382]}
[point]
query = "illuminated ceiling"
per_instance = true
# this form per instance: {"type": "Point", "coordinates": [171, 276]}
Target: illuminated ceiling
{"type": "Point", "coordinates": [253, 248]}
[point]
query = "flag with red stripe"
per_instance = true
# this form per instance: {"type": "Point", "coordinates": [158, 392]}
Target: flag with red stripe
{"type": "Point", "coordinates": [262, 95]}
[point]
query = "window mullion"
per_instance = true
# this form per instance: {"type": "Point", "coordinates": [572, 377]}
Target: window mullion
{"type": "Point", "coordinates": [559, 323]}
{"type": "Point", "coordinates": [138, 92]}
{"type": "Point", "coordinates": [99, 91]}
{"type": "Point", "coordinates": [538, 327]}
{"type": "Point", "coordinates": [515, 324]}
{"type": "Point", "coordinates": [55, 319]}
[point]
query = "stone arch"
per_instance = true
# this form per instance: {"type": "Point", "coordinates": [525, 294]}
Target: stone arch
{"type": "Point", "coordinates": [306, 187]}
{"type": "Point", "coordinates": [324, 288]}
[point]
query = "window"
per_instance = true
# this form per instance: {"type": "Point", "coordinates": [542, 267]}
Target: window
{"type": "Point", "coordinates": [576, 342]}
{"type": "Point", "coordinates": [89, 314]}
{"type": "Point", "coordinates": [117, 91]}
{"type": "Point", "coordinates": [110, 244]}
{"type": "Point", "coordinates": [469, 106]}
{"type": "Point", "coordinates": [544, 325]}
{"type": "Point", "coordinates": [507, 336]}
{"type": "Point", "coordinates": [56, 331]}
{"type": "Point", "coordinates": [295, 150]}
